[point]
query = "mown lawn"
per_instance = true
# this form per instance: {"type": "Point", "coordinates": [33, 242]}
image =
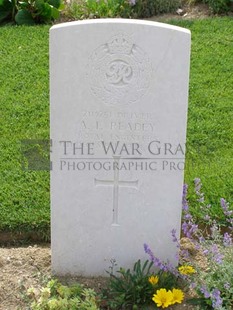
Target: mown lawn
{"type": "Point", "coordinates": [24, 114]}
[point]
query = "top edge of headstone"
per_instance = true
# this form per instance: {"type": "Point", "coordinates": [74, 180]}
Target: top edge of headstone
{"type": "Point", "coordinates": [119, 21]}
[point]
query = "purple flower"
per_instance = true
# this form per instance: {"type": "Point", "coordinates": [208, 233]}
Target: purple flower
{"type": "Point", "coordinates": [189, 229]}
{"type": "Point", "coordinates": [217, 256]}
{"type": "Point", "coordinates": [185, 207]}
{"type": "Point", "coordinates": [205, 292]}
{"type": "Point", "coordinates": [198, 185]}
{"type": "Point", "coordinates": [193, 228]}
{"type": "Point", "coordinates": [167, 267]}
{"type": "Point", "coordinates": [228, 213]}
{"type": "Point", "coordinates": [185, 192]}
{"type": "Point", "coordinates": [173, 232]}
{"type": "Point", "coordinates": [185, 227]}
{"type": "Point", "coordinates": [193, 285]}
{"type": "Point", "coordinates": [224, 205]}
{"type": "Point", "coordinates": [157, 262]}
{"type": "Point", "coordinates": [174, 238]}
{"type": "Point", "coordinates": [216, 299]}
{"type": "Point", "coordinates": [188, 216]}
{"type": "Point", "coordinates": [184, 198]}
{"type": "Point", "coordinates": [227, 240]}
{"type": "Point", "coordinates": [185, 254]}
{"type": "Point", "coordinates": [206, 217]}
{"type": "Point", "coordinates": [201, 239]}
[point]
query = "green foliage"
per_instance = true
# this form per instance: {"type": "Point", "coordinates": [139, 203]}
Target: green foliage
{"type": "Point", "coordinates": [219, 6]}
{"type": "Point", "coordinates": [98, 9]}
{"type": "Point", "coordinates": [131, 288]}
{"type": "Point", "coordinates": [167, 280]}
{"type": "Point", "coordinates": [24, 17]}
{"type": "Point", "coordinates": [119, 8]}
{"type": "Point", "coordinates": [7, 9]}
{"type": "Point", "coordinates": [148, 8]}
{"type": "Point", "coordinates": [214, 283]}
{"type": "Point", "coordinates": [215, 6]}
{"type": "Point", "coordinates": [213, 280]}
{"type": "Point", "coordinates": [56, 296]}
{"type": "Point", "coordinates": [29, 12]}
{"type": "Point", "coordinates": [191, 2]}
{"type": "Point", "coordinates": [134, 290]}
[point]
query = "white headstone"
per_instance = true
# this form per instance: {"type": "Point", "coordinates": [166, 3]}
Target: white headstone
{"type": "Point", "coordinates": [119, 91]}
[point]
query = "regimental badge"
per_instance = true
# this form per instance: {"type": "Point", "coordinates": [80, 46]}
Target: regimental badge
{"type": "Point", "coordinates": [119, 71]}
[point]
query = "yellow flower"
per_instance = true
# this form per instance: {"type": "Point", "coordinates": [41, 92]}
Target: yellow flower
{"type": "Point", "coordinates": [153, 280]}
{"type": "Point", "coordinates": [186, 270]}
{"type": "Point", "coordinates": [163, 298]}
{"type": "Point", "coordinates": [178, 296]}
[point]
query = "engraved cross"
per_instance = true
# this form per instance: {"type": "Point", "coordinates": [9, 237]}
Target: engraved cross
{"type": "Point", "coordinates": [116, 183]}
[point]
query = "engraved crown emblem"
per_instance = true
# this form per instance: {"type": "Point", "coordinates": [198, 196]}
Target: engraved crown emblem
{"type": "Point", "coordinates": [119, 44]}
{"type": "Point", "coordinates": [119, 71]}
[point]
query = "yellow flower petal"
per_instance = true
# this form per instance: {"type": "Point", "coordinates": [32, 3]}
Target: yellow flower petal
{"type": "Point", "coordinates": [163, 298]}
{"type": "Point", "coordinates": [178, 296]}
{"type": "Point", "coordinates": [153, 280]}
{"type": "Point", "coordinates": [186, 270]}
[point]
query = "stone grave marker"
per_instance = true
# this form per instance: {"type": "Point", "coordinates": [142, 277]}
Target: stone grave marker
{"type": "Point", "coordinates": [119, 92]}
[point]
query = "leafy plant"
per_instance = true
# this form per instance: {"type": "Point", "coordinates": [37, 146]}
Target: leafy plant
{"type": "Point", "coordinates": [148, 8]}
{"type": "Point", "coordinates": [122, 8]}
{"type": "Point", "coordinates": [98, 9]}
{"type": "Point", "coordinates": [191, 2]}
{"type": "Point", "coordinates": [29, 12]}
{"type": "Point", "coordinates": [214, 283]}
{"type": "Point", "coordinates": [57, 296]}
{"type": "Point", "coordinates": [131, 288]}
{"type": "Point", "coordinates": [219, 6]}
{"type": "Point", "coordinates": [7, 10]}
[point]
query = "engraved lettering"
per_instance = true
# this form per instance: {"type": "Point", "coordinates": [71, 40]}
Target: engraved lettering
{"type": "Point", "coordinates": [153, 147]}
{"type": "Point", "coordinates": [65, 143]}
{"type": "Point", "coordinates": [121, 149]}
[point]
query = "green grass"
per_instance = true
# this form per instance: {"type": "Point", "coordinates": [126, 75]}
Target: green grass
{"type": "Point", "coordinates": [24, 114]}
{"type": "Point", "coordinates": [210, 118]}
